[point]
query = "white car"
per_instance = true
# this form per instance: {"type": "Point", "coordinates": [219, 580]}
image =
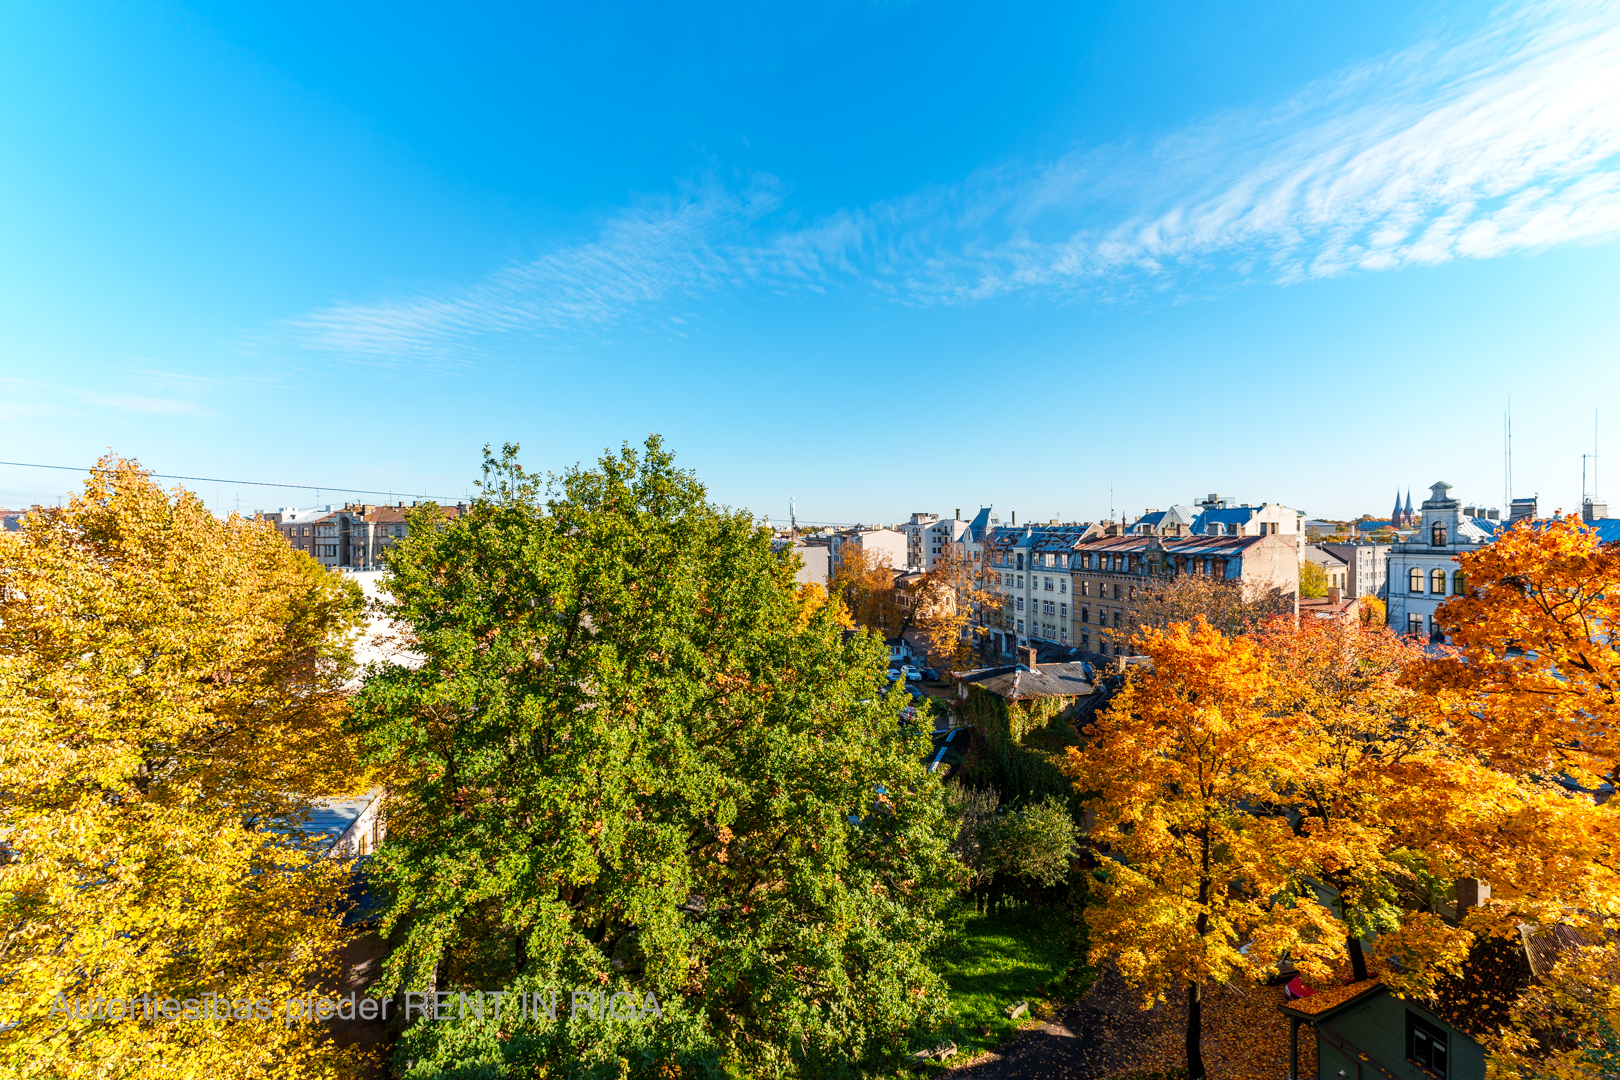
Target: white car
{"type": "Point", "coordinates": [911, 673]}
{"type": "Point", "coordinates": [894, 673]}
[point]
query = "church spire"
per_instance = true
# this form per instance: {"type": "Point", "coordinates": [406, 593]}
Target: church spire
{"type": "Point", "coordinates": [1407, 515]}
{"type": "Point", "coordinates": [1395, 514]}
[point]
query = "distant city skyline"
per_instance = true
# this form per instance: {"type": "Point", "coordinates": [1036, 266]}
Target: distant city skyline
{"type": "Point", "coordinates": [877, 258]}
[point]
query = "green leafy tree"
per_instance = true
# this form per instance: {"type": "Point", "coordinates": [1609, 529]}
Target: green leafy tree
{"type": "Point", "coordinates": [1032, 843]}
{"type": "Point", "coordinates": [1313, 581]}
{"type": "Point", "coordinates": [635, 759]}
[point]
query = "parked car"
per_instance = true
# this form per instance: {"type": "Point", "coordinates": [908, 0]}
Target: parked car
{"type": "Point", "coordinates": [894, 673]}
{"type": "Point", "coordinates": [911, 673]}
{"type": "Point", "coordinates": [930, 674]}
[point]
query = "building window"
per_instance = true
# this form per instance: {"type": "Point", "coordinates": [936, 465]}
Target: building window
{"type": "Point", "coordinates": [1048, 584]}
{"type": "Point", "coordinates": [1020, 626]}
{"type": "Point", "coordinates": [1437, 636]}
{"type": "Point", "coordinates": [1437, 535]}
{"type": "Point", "coordinates": [1116, 590]}
{"type": "Point", "coordinates": [1020, 561]}
{"type": "Point", "coordinates": [1085, 614]}
{"type": "Point", "coordinates": [1020, 581]}
{"type": "Point", "coordinates": [1117, 616]}
{"type": "Point", "coordinates": [1020, 603]}
{"type": "Point", "coordinates": [1414, 580]}
{"type": "Point", "coordinates": [1063, 610]}
{"type": "Point", "coordinates": [1085, 639]}
{"type": "Point", "coordinates": [1414, 625]}
{"type": "Point", "coordinates": [1426, 1045]}
{"type": "Point", "coordinates": [1063, 586]}
{"type": "Point", "coordinates": [1437, 581]}
{"type": "Point", "coordinates": [1459, 583]}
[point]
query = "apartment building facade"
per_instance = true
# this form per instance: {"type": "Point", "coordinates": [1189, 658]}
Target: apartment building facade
{"type": "Point", "coordinates": [1027, 571]}
{"type": "Point", "coordinates": [930, 538]}
{"type": "Point", "coordinates": [355, 536]}
{"type": "Point", "coordinates": [1108, 572]}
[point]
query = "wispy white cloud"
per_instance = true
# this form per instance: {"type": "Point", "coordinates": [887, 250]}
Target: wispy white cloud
{"type": "Point", "coordinates": [162, 406]}
{"type": "Point", "coordinates": [1506, 141]}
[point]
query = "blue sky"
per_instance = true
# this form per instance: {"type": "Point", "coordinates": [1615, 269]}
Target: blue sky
{"type": "Point", "coordinates": [880, 257]}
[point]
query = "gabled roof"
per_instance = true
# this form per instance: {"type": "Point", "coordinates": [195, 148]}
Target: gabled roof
{"type": "Point", "coordinates": [982, 523]}
{"type": "Point", "coordinates": [1018, 683]}
{"type": "Point", "coordinates": [1477, 1000]}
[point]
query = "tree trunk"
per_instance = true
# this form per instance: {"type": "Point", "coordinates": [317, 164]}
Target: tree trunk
{"type": "Point", "coordinates": [1195, 991]}
{"type": "Point", "coordinates": [1195, 1031]}
{"type": "Point", "coordinates": [1358, 960]}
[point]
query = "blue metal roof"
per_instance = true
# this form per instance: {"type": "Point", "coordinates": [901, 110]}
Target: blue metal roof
{"type": "Point", "coordinates": [1608, 529]}
{"type": "Point", "coordinates": [1233, 515]}
{"type": "Point", "coordinates": [331, 818]}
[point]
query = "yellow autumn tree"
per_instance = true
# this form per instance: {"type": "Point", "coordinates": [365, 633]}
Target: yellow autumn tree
{"type": "Point", "coordinates": [171, 692]}
{"type": "Point", "coordinates": [1200, 884]}
{"type": "Point", "coordinates": [1359, 764]}
{"type": "Point", "coordinates": [940, 604]}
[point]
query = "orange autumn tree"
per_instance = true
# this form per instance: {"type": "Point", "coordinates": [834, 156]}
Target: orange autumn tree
{"type": "Point", "coordinates": [171, 691]}
{"type": "Point", "coordinates": [1395, 808]}
{"type": "Point", "coordinates": [1532, 682]}
{"type": "Point", "coordinates": [1199, 888]}
{"type": "Point", "coordinates": [864, 584]}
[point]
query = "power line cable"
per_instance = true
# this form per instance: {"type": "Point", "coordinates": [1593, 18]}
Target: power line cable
{"type": "Point", "coordinates": [253, 483]}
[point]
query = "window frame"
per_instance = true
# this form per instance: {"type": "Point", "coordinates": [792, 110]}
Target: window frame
{"type": "Point", "coordinates": [1420, 1052]}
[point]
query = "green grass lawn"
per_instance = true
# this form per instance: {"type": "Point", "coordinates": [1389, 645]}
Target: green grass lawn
{"type": "Point", "coordinates": [996, 959]}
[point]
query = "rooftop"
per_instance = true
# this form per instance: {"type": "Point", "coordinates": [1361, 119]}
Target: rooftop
{"type": "Point", "coordinates": [1330, 1000]}
{"type": "Point", "coordinates": [1019, 683]}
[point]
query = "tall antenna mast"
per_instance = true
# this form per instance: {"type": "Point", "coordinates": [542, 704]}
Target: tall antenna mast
{"type": "Point", "coordinates": [1506, 500]}
{"type": "Point", "coordinates": [793, 518]}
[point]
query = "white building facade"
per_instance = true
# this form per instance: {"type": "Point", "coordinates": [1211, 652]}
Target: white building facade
{"type": "Point", "coordinates": [1423, 570]}
{"type": "Point", "coordinates": [930, 538]}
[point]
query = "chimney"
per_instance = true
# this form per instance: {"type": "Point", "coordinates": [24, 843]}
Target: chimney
{"type": "Point", "coordinates": [1593, 510]}
{"type": "Point", "coordinates": [1472, 892]}
{"type": "Point", "coordinates": [1334, 596]}
{"type": "Point", "coordinates": [1026, 656]}
{"type": "Point", "coordinates": [1015, 518]}
{"type": "Point", "coordinates": [1521, 509]}
{"type": "Point", "coordinates": [958, 513]}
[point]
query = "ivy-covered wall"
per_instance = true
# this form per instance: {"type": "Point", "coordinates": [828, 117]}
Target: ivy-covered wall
{"type": "Point", "coordinates": [1024, 744]}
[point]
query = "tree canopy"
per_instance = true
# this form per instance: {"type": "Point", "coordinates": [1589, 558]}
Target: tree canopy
{"type": "Point", "coordinates": [637, 760]}
{"type": "Point", "coordinates": [171, 693]}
